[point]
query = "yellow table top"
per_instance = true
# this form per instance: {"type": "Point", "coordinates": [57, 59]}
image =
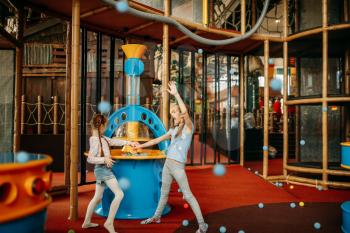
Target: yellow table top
{"type": "Point", "coordinates": [345, 143]}
{"type": "Point", "coordinates": [150, 154]}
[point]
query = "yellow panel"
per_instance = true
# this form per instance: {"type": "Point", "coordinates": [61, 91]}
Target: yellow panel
{"type": "Point", "coordinates": [134, 50]}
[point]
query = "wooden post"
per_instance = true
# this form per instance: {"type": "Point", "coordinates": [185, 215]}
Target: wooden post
{"type": "Point", "coordinates": [346, 10]}
{"type": "Point", "coordinates": [165, 79]}
{"type": "Point", "coordinates": [75, 63]}
{"type": "Point", "coordinates": [347, 92]}
{"type": "Point", "coordinates": [324, 93]}
{"type": "Point", "coordinates": [285, 87]}
{"type": "Point", "coordinates": [148, 104]}
{"type": "Point", "coordinates": [23, 110]}
{"type": "Point", "coordinates": [18, 82]}
{"type": "Point", "coordinates": [39, 108]}
{"type": "Point", "coordinates": [116, 103]}
{"type": "Point", "coordinates": [205, 13]}
{"type": "Point", "coordinates": [243, 17]}
{"type": "Point", "coordinates": [67, 109]}
{"type": "Point", "coordinates": [266, 109]}
{"type": "Point", "coordinates": [55, 115]}
{"type": "Point", "coordinates": [241, 109]}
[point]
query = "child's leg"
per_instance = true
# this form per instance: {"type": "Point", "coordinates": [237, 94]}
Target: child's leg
{"type": "Point", "coordinates": [181, 178]}
{"type": "Point", "coordinates": [164, 193]}
{"type": "Point", "coordinates": [92, 205]}
{"type": "Point", "coordinates": [167, 179]}
{"type": "Point", "coordinates": [118, 196]}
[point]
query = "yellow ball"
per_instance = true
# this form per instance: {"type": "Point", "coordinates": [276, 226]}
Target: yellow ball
{"type": "Point", "coordinates": [301, 204]}
{"type": "Point", "coordinates": [291, 187]}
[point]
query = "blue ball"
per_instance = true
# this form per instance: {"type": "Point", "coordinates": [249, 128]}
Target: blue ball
{"type": "Point", "coordinates": [232, 71]}
{"type": "Point", "coordinates": [241, 231]}
{"type": "Point", "coordinates": [276, 84]}
{"type": "Point", "coordinates": [302, 142]}
{"type": "Point", "coordinates": [219, 170]}
{"type": "Point", "coordinates": [261, 205]}
{"type": "Point", "coordinates": [317, 225]}
{"type": "Point", "coordinates": [222, 229]}
{"type": "Point", "coordinates": [104, 107]}
{"type": "Point", "coordinates": [185, 222]}
{"type": "Point", "coordinates": [200, 51]}
{"type": "Point", "coordinates": [292, 205]}
{"type": "Point", "coordinates": [122, 6]}
{"type": "Point", "coordinates": [124, 183]}
{"type": "Point", "coordinates": [270, 61]}
{"type": "Point", "coordinates": [265, 148]}
{"type": "Point", "coordinates": [22, 157]}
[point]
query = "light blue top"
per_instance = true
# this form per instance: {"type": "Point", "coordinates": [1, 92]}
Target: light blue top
{"type": "Point", "coordinates": [179, 145]}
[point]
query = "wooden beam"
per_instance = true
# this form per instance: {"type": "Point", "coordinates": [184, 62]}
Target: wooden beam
{"type": "Point", "coordinates": [140, 27]}
{"type": "Point", "coordinates": [41, 26]}
{"type": "Point", "coordinates": [95, 11]}
{"type": "Point", "coordinates": [10, 38]}
{"type": "Point", "coordinates": [182, 38]}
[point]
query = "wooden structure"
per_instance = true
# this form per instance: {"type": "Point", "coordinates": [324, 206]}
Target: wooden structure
{"type": "Point", "coordinates": [96, 16]}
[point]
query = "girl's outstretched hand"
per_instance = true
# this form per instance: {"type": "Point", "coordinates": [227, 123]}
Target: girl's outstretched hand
{"type": "Point", "coordinates": [109, 162]}
{"type": "Point", "coordinates": [172, 88]}
{"type": "Point", "coordinates": [133, 144]}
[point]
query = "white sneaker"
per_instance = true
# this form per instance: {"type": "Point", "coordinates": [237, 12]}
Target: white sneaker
{"type": "Point", "coordinates": [203, 228]}
{"type": "Point", "coordinates": [150, 220]}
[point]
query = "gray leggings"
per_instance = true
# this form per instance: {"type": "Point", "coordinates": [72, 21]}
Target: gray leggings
{"type": "Point", "coordinates": [176, 170]}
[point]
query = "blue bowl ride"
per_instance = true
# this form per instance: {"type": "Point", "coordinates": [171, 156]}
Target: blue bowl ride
{"type": "Point", "coordinates": [346, 217]}
{"type": "Point", "coordinates": [345, 154]}
{"type": "Point", "coordinates": [141, 198]}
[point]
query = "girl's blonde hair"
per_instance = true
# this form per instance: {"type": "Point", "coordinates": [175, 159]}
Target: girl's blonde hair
{"type": "Point", "coordinates": [181, 124]}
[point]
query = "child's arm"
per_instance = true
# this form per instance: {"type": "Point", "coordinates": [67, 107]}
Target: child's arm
{"type": "Point", "coordinates": [119, 142]}
{"type": "Point", "coordinates": [173, 90]}
{"type": "Point", "coordinates": [93, 153]}
{"type": "Point", "coordinates": [155, 141]}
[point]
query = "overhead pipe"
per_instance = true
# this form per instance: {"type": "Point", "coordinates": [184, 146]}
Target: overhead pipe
{"type": "Point", "coordinates": [202, 40]}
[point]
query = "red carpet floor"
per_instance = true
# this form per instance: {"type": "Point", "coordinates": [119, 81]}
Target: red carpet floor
{"type": "Point", "coordinates": [238, 188]}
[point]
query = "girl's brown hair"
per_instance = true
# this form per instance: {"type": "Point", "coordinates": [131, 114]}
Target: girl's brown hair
{"type": "Point", "coordinates": [97, 121]}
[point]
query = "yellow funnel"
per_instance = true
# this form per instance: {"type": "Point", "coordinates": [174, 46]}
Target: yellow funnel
{"type": "Point", "coordinates": [134, 50]}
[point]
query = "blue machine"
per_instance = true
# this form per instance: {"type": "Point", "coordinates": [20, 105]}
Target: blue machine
{"type": "Point", "coordinates": [144, 175]}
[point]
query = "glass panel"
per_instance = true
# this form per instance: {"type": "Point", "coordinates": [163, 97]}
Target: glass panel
{"type": "Point", "coordinates": [210, 143]}
{"type": "Point", "coordinates": [7, 73]}
{"type": "Point", "coordinates": [335, 76]}
{"type": "Point", "coordinates": [310, 76]}
{"type": "Point", "coordinates": [310, 14]}
{"type": "Point", "coordinates": [158, 4]}
{"type": "Point", "coordinates": [198, 144]}
{"type": "Point", "coordinates": [183, 9]}
{"type": "Point", "coordinates": [223, 131]}
{"type": "Point", "coordinates": [310, 134]}
{"type": "Point", "coordinates": [105, 67]}
{"type": "Point", "coordinates": [118, 74]}
{"type": "Point", "coordinates": [233, 119]}
{"type": "Point", "coordinates": [335, 132]}
{"type": "Point", "coordinates": [91, 83]}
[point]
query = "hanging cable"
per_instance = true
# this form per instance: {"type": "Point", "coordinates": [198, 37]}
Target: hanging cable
{"type": "Point", "coordinates": [187, 32]}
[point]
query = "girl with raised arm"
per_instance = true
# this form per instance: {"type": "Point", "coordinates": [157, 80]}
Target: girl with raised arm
{"type": "Point", "coordinates": [180, 133]}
